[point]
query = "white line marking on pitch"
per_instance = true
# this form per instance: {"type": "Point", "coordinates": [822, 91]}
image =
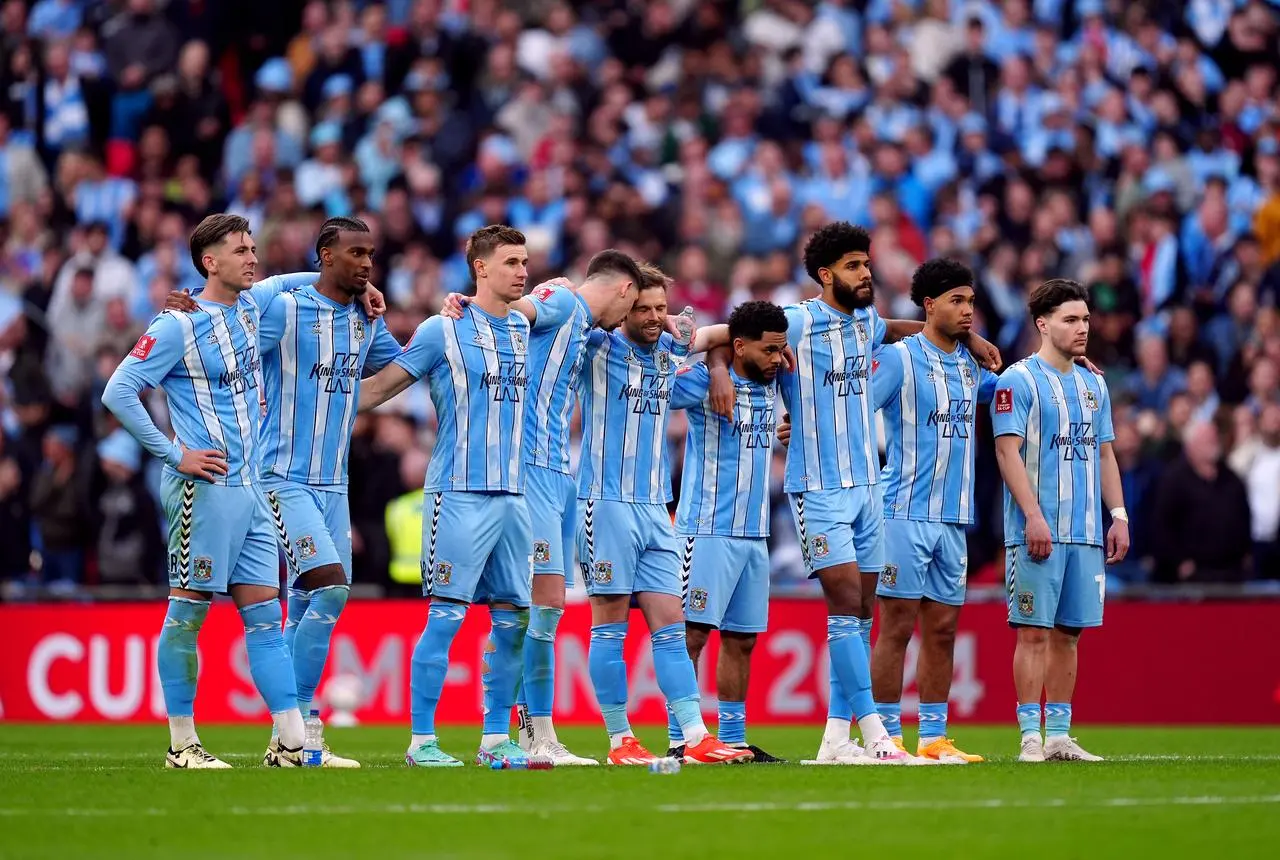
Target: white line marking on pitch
{"type": "Point", "coordinates": [814, 806]}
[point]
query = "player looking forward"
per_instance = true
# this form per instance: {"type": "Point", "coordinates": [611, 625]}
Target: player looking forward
{"type": "Point", "coordinates": [626, 546]}
{"type": "Point", "coordinates": [221, 537]}
{"type": "Point", "coordinates": [724, 512]}
{"type": "Point", "coordinates": [832, 466]}
{"type": "Point", "coordinates": [476, 537]}
{"type": "Point", "coordinates": [929, 386]}
{"type": "Point", "coordinates": [1052, 421]}
{"type": "Point", "coordinates": [561, 318]}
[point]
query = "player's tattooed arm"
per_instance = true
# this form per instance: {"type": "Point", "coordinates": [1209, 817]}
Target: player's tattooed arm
{"type": "Point", "coordinates": [1014, 471]}
{"type": "Point", "coordinates": [382, 386]}
{"type": "Point", "coordinates": [721, 394]}
{"type": "Point", "coordinates": [1113, 498]}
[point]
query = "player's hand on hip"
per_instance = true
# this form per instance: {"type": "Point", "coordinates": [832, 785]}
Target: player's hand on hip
{"type": "Point", "coordinates": [180, 300]}
{"type": "Point", "coordinates": [784, 430]}
{"type": "Point", "coordinates": [1088, 365]}
{"type": "Point", "coordinates": [375, 303]}
{"type": "Point", "coordinates": [454, 305]}
{"type": "Point", "coordinates": [1039, 539]}
{"type": "Point", "coordinates": [1117, 542]}
{"type": "Point", "coordinates": [721, 394]}
{"type": "Point", "coordinates": [205, 464]}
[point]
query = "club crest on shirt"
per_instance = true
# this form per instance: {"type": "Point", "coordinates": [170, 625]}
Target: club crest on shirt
{"type": "Point", "coordinates": [306, 546]}
{"type": "Point", "coordinates": [203, 569]}
{"type": "Point", "coordinates": [889, 576]}
{"type": "Point", "coordinates": [966, 376]}
{"type": "Point", "coordinates": [861, 328]}
{"type": "Point", "coordinates": [662, 361]}
{"type": "Point", "coordinates": [698, 600]}
{"type": "Point", "coordinates": [603, 574]}
{"type": "Point", "coordinates": [517, 343]}
{"type": "Point", "coordinates": [1026, 602]}
{"type": "Point", "coordinates": [247, 320]}
{"type": "Point", "coordinates": [443, 573]}
{"type": "Point", "coordinates": [357, 329]}
{"type": "Point", "coordinates": [1090, 400]}
{"type": "Point", "coordinates": [818, 546]}
{"type": "Point", "coordinates": [541, 551]}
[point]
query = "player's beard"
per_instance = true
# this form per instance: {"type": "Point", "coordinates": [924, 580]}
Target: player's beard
{"type": "Point", "coordinates": [852, 297]}
{"type": "Point", "coordinates": [757, 374]}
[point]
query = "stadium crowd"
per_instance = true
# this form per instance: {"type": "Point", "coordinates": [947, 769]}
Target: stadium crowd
{"type": "Point", "coordinates": [1130, 145]}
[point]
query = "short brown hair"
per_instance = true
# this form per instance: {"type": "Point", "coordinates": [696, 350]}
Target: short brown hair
{"type": "Point", "coordinates": [1053, 293]}
{"type": "Point", "coordinates": [486, 240]}
{"type": "Point", "coordinates": [651, 276]}
{"type": "Point", "coordinates": [210, 232]}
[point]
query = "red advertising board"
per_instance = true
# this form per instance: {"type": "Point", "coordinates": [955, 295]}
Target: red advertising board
{"type": "Point", "coordinates": [1151, 660]}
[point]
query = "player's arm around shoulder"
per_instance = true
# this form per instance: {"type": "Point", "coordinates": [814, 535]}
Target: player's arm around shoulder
{"type": "Point", "coordinates": [420, 355]}
{"type": "Point", "coordinates": [692, 386]}
{"type": "Point", "coordinates": [887, 374]}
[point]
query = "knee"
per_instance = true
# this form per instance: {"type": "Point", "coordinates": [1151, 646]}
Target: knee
{"type": "Point", "coordinates": [1033, 637]}
{"type": "Point", "coordinates": [1065, 638]}
{"type": "Point", "coordinates": [739, 645]}
{"type": "Point", "coordinates": [844, 596]}
{"type": "Point", "coordinates": [322, 577]}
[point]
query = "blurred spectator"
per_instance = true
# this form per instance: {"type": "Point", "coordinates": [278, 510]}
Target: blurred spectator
{"type": "Point", "coordinates": [60, 508]}
{"type": "Point", "coordinates": [1155, 381]}
{"type": "Point", "coordinates": [129, 546]}
{"type": "Point", "coordinates": [1258, 465]}
{"type": "Point", "coordinates": [1201, 525]}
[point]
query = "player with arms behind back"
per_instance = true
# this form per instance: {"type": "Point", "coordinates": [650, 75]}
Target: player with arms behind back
{"type": "Point", "coordinates": [1052, 421]}
{"type": "Point", "coordinates": [626, 547]}
{"type": "Point", "coordinates": [929, 386]}
{"type": "Point", "coordinates": [476, 536]}
{"type": "Point", "coordinates": [221, 537]}
{"type": "Point", "coordinates": [724, 512]}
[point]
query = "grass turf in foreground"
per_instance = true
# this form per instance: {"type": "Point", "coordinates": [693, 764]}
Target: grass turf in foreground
{"type": "Point", "coordinates": [97, 791]}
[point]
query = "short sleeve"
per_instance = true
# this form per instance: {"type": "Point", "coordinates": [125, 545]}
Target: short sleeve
{"type": "Point", "coordinates": [424, 350]}
{"type": "Point", "coordinates": [555, 306]}
{"type": "Point", "coordinates": [384, 349]}
{"type": "Point", "coordinates": [271, 323]}
{"type": "Point", "coordinates": [795, 325]}
{"type": "Point", "coordinates": [987, 382]}
{"type": "Point", "coordinates": [156, 353]}
{"type": "Point", "coordinates": [692, 385]}
{"type": "Point", "coordinates": [878, 327]}
{"type": "Point", "coordinates": [1011, 405]}
{"type": "Point", "coordinates": [886, 375]}
{"type": "Point", "coordinates": [1106, 431]}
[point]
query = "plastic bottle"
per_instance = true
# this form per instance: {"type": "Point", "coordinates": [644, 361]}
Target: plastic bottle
{"type": "Point", "coordinates": [313, 740]}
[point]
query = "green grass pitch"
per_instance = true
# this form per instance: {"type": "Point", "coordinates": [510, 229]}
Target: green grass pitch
{"type": "Point", "coordinates": [96, 791]}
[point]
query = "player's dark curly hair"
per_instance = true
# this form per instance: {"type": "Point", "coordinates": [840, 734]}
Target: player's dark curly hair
{"type": "Point", "coordinates": [937, 276]}
{"type": "Point", "coordinates": [330, 229]}
{"type": "Point", "coordinates": [750, 320]}
{"type": "Point", "coordinates": [1046, 298]}
{"type": "Point", "coordinates": [828, 245]}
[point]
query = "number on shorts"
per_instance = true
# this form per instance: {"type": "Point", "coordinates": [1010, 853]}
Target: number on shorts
{"type": "Point", "coordinates": [1101, 579]}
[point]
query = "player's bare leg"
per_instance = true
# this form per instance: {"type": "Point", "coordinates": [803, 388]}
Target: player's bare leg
{"type": "Point", "coordinates": [177, 665]}
{"type": "Point", "coordinates": [664, 613]}
{"type": "Point", "coordinates": [319, 595]}
{"type": "Point", "coordinates": [1030, 660]}
{"type": "Point", "coordinates": [850, 675]}
{"type": "Point", "coordinates": [1059, 686]}
{"type": "Point", "coordinates": [888, 659]}
{"type": "Point", "coordinates": [536, 731]}
{"type": "Point", "coordinates": [733, 673]}
{"type": "Point", "coordinates": [938, 623]}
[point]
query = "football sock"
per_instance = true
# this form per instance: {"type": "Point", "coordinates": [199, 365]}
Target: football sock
{"type": "Point", "coordinates": [732, 722]}
{"type": "Point", "coordinates": [678, 681]}
{"type": "Point", "coordinates": [539, 671]}
{"type": "Point", "coordinates": [1057, 718]}
{"type": "Point", "coordinates": [838, 707]}
{"type": "Point", "coordinates": [865, 631]}
{"type": "Point", "coordinates": [933, 721]}
{"type": "Point", "coordinates": [609, 677]}
{"type": "Point", "coordinates": [502, 672]}
{"type": "Point", "coordinates": [298, 600]}
{"type": "Point", "coordinates": [849, 663]}
{"type": "Point", "coordinates": [891, 715]}
{"type": "Point", "coordinates": [674, 735]}
{"type": "Point", "coordinates": [310, 646]}
{"type": "Point", "coordinates": [1029, 718]}
{"type": "Point", "coordinates": [430, 663]}
{"type": "Point", "coordinates": [269, 663]}
{"type": "Point", "coordinates": [177, 664]}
